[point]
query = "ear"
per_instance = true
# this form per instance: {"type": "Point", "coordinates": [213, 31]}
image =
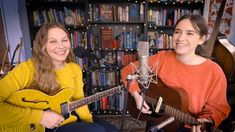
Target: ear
{"type": "Point", "coordinates": [202, 40]}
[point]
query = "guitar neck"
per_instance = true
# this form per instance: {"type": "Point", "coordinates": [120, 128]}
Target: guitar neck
{"type": "Point", "coordinates": [93, 98]}
{"type": "Point", "coordinates": [215, 31]}
{"type": "Point", "coordinates": [182, 117]}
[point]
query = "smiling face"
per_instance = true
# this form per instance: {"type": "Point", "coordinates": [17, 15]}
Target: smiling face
{"type": "Point", "coordinates": [58, 45]}
{"type": "Point", "coordinates": [186, 38]}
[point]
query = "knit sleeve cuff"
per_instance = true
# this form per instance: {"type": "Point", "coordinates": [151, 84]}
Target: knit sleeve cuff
{"type": "Point", "coordinates": [35, 116]}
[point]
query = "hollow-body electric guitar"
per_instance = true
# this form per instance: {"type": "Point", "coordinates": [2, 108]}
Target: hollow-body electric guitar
{"type": "Point", "coordinates": [59, 103]}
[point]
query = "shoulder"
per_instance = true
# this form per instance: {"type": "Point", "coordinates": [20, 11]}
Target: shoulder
{"type": "Point", "coordinates": [26, 65]}
{"type": "Point", "coordinates": [75, 67]}
{"type": "Point", "coordinates": [213, 64]}
{"type": "Point", "coordinates": [164, 54]}
{"type": "Point", "coordinates": [214, 68]}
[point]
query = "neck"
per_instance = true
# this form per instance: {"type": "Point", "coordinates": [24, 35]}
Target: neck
{"type": "Point", "coordinates": [59, 65]}
{"type": "Point", "coordinates": [191, 59]}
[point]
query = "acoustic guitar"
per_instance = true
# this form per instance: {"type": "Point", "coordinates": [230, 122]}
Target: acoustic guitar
{"type": "Point", "coordinates": [175, 104]}
{"type": "Point", "coordinates": [59, 103]}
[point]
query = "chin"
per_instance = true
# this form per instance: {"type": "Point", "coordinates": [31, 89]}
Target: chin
{"type": "Point", "coordinates": [180, 51]}
{"type": "Point", "coordinates": [60, 58]}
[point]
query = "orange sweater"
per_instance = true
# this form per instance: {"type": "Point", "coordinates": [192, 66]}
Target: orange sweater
{"type": "Point", "coordinates": [204, 83]}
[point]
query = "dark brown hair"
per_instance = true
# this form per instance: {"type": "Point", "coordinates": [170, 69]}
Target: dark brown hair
{"type": "Point", "coordinates": [200, 25]}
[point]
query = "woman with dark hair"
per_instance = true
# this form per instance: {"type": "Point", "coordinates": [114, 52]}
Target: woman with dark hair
{"type": "Point", "coordinates": [50, 70]}
{"type": "Point", "coordinates": [186, 67]}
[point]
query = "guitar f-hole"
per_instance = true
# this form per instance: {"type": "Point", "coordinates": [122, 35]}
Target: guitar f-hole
{"type": "Point", "coordinates": [34, 101]}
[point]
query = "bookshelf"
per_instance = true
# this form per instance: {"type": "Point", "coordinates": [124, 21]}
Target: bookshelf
{"type": "Point", "coordinates": [115, 27]}
{"type": "Point", "coordinates": [110, 29]}
{"type": "Point", "coordinates": [162, 16]}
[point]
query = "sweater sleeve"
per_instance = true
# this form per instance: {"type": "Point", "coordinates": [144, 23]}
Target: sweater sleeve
{"type": "Point", "coordinates": [130, 69]}
{"type": "Point", "coordinates": [83, 112]}
{"type": "Point", "coordinates": [216, 107]}
{"type": "Point", "coordinates": [19, 78]}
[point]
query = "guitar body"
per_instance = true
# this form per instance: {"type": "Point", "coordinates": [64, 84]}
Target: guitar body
{"type": "Point", "coordinates": [224, 54]}
{"type": "Point", "coordinates": [177, 98]}
{"type": "Point", "coordinates": [38, 100]}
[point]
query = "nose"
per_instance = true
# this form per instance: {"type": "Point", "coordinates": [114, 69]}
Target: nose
{"type": "Point", "coordinates": [181, 36]}
{"type": "Point", "coordinates": [61, 45]}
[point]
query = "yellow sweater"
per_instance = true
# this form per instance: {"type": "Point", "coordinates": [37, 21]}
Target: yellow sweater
{"type": "Point", "coordinates": [18, 119]}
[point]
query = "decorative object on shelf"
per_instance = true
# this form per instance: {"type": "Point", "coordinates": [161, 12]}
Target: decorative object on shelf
{"type": "Point", "coordinates": [69, 20]}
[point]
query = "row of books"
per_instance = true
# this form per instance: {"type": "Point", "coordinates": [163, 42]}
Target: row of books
{"type": "Point", "coordinates": [160, 41]}
{"type": "Point", "coordinates": [65, 15]}
{"type": "Point", "coordinates": [113, 102]}
{"type": "Point", "coordinates": [115, 60]}
{"type": "Point", "coordinates": [132, 12]}
{"type": "Point", "coordinates": [78, 39]}
{"type": "Point", "coordinates": [166, 17]}
{"type": "Point", "coordinates": [129, 40]}
{"type": "Point", "coordinates": [125, 40]}
{"type": "Point", "coordinates": [103, 78]}
{"type": "Point", "coordinates": [174, 0]}
{"type": "Point", "coordinates": [59, 0]}
{"type": "Point", "coordinates": [124, 58]}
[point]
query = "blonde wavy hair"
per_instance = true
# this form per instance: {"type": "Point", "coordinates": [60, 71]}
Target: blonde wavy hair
{"type": "Point", "coordinates": [45, 77]}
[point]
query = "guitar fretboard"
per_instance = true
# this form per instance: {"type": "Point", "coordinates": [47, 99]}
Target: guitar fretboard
{"type": "Point", "coordinates": [93, 98]}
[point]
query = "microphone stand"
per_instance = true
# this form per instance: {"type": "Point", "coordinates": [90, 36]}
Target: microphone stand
{"type": "Point", "coordinates": [129, 78]}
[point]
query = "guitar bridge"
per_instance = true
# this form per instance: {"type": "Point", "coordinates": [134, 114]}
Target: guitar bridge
{"type": "Point", "coordinates": [159, 103]}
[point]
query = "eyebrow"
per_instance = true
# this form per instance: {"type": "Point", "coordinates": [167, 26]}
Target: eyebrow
{"type": "Point", "coordinates": [66, 37]}
{"type": "Point", "coordinates": [191, 31]}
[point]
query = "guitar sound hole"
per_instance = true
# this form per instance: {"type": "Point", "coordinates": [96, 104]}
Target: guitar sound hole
{"type": "Point", "coordinates": [34, 101]}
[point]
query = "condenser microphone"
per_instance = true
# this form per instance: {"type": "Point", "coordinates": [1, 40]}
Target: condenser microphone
{"type": "Point", "coordinates": [143, 56]}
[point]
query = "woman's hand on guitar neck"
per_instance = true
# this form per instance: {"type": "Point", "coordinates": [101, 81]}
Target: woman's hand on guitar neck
{"type": "Point", "coordinates": [138, 100]}
{"type": "Point", "coordinates": [51, 119]}
{"type": "Point", "coordinates": [199, 127]}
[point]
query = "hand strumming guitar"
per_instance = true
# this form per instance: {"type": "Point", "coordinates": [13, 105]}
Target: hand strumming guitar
{"type": "Point", "coordinates": [51, 119]}
{"type": "Point", "coordinates": [138, 99]}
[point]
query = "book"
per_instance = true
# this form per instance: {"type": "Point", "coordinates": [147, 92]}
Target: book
{"type": "Point", "coordinates": [134, 12]}
{"type": "Point", "coordinates": [106, 12]}
{"type": "Point", "coordinates": [106, 37]}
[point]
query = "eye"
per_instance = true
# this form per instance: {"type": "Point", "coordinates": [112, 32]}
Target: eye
{"type": "Point", "coordinates": [176, 32]}
{"type": "Point", "coordinates": [190, 33]}
{"type": "Point", "coordinates": [65, 40]}
{"type": "Point", "coordinates": [52, 41]}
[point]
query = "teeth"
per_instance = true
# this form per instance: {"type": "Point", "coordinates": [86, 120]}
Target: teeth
{"type": "Point", "coordinates": [60, 52]}
{"type": "Point", "coordinates": [181, 44]}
